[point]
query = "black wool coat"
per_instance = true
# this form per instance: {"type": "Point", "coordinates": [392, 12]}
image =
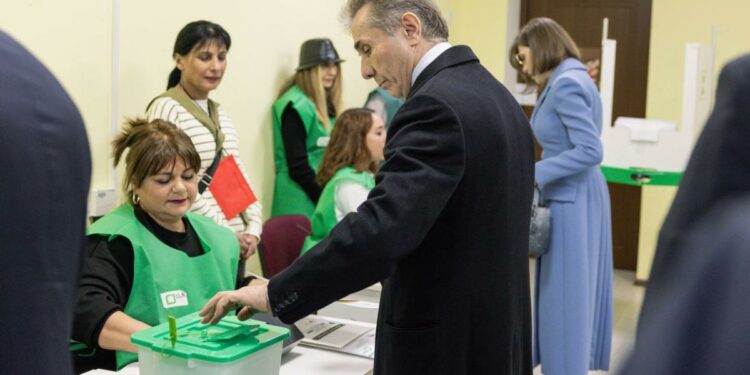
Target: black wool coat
{"type": "Point", "coordinates": [445, 229]}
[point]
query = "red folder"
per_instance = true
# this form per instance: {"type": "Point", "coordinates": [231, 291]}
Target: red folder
{"type": "Point", "coordinates": [230, 189]}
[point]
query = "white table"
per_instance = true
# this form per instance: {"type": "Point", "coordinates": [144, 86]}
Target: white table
{"type": "Point", "coordinates": [301, 360]}
{"type": "Point", "coordinates": [313, 361]}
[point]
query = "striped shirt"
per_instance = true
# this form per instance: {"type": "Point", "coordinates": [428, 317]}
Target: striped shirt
{"type": "Point", "coordinates": [168, 109]}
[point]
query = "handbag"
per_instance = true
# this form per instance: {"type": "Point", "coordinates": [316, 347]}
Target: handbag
{"type": "Point", "coordinates": [540, 227]}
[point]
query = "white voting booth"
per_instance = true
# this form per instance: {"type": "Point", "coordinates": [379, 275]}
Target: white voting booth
{"type": "Point", "coordinates": [660, 145]}
{"type": "Point", "coordinates": [655, 152]}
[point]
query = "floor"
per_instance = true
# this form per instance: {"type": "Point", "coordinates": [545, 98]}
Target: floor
{"type": "Point", "coordinates": [627, 303]}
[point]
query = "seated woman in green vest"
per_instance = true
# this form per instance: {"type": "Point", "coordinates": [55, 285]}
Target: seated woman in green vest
{"type": "Point", "coordinates": [303, 116]}
{"type": "Point", "coordinates": [346, 173]}
{"type": "Point", "coordinates": [150, 257]}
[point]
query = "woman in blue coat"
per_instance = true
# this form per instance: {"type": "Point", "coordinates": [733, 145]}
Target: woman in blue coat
{"type": "Point", "coordinates": [573, 309]}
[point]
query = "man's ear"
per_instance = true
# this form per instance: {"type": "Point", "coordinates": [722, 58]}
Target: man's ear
{"type": "Point", "coordinates": [411, 27]}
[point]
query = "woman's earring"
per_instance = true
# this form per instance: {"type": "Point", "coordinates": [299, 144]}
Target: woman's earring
{"type": "Point", "coordinates": [136, 199]}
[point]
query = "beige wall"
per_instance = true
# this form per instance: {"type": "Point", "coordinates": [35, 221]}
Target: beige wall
{"type": "Point", "coordinates": [74, 40]}
{"type": "Point", "coordinates": [677, 22]}
{"type": "Point", "coordinates": [78, 53]}
{"type": "Point", "coordinates": [480, 24]}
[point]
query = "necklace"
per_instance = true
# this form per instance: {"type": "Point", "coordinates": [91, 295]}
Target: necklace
{"type": "Point", "coordinates": [207, 109]}
{"type": "Point", "coordinates": [186, 91]}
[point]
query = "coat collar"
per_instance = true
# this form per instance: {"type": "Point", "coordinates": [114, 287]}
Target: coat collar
{"type": "Point", "coordinates": [568, 64]}
{"type": "Point", "coordinates": [453, 56]}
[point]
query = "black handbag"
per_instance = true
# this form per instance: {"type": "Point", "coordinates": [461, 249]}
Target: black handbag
{"type": "Point", "coordinates": [540, 227]}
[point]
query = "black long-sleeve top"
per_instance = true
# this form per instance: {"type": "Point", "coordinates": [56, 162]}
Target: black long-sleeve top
{"type": "Point", "coordinates": [294, 137]}
{"type": "Point", "coordinates": [107, 279]}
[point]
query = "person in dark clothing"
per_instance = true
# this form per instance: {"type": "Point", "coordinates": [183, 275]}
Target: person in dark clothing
{"type": "Point", "coordinates": [133, 252]}
{"type": "Point", "coordinates": [446, 228]}
{"type": "Point", "coordinates": [46, 172]}
{"type": "Point", "coordinates": [693, 316]}
{"type": "Point", "coordinates": [303, 117]}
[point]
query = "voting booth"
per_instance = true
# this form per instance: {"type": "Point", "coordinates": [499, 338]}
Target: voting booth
{"type": "Point", "coordinates": [654, 152]}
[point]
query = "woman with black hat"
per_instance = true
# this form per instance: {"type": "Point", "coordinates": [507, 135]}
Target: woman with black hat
{"type": "Point", "coordinates": [200, 56]}
{"type": "Point", "coordinates": [303, 116]}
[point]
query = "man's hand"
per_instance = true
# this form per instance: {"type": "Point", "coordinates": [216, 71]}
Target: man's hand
{"type": "Point", "coordinates": [254, 298]}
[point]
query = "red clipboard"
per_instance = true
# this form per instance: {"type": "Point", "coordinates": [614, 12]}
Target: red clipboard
{"type": "Point", "coordinates": [230, 189]}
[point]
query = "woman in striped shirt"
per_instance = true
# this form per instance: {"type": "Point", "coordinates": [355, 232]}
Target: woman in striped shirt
{"type": "Point", "coordinates": [200, 55]}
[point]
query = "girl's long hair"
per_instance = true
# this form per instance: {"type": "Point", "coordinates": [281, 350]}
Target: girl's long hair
{"type": "Point", "coordinates": [311, 83]}
{"type": "Point", "coordinates": [348, 145]}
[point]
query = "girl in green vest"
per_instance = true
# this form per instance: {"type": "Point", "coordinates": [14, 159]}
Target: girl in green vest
{"type": "Point", "coordinates": [303, 116]}
{"type": "Point", "coordinates": [150, 257]}
{"type": "Point", "coordinates": [346, 173]}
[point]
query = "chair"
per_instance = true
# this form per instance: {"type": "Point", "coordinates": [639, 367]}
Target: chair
{"type": "Point", "coordinates": [281, 242]}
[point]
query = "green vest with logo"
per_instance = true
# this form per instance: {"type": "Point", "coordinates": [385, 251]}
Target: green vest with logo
{"type": "Point", "coordinates": [288, 196]}
{"type": "Point", "coordinates": [166, 281]}
{"type": "Point", "coordinates": [324, 217]}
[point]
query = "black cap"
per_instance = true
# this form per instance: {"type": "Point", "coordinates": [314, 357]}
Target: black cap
{"type": "Point", "coordinates": [317, 51]}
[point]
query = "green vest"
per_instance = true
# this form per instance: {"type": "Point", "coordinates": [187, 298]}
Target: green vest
{"type": "Point", "coordinates": [167, 281]}
{"type": "Point", "coordinates": [288, 196]}
{"type": "Point", "coordinates": [392, 103]}
{"type": "Point", "coordinates": [324, 218]}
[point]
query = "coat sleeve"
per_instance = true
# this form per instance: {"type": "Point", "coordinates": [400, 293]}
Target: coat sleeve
{"type": "Point", "coordinates": [424, 165]}
{"type": "Point", "coordinates": [574, 108]}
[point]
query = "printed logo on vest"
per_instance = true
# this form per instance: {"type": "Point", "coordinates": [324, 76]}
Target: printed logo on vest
{"type": "Point", "coordinates": [323, 141]}
{"type": "Point", "coordinates": [174, 298]}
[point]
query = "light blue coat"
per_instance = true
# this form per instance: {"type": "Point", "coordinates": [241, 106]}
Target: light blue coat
{"type": "Point", "coordinates": [573, 296]}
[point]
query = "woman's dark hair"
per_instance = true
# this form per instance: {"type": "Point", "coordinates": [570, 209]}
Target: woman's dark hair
{"type": "Point", "coordinates": [151, 146]}
{"type": "Point", "coordinates": [348, 145]}
{"type": "Point", "coordinates": [195, 35]}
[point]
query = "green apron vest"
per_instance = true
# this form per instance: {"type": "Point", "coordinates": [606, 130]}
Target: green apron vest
{"type": "Point", "coordinates": [392, 103]}
{"type": "Point", "coordinates": [210, 120]}
{"type": "Point", "coordinates": [324, 218]}
{"type": "Point", "coordinates": [166, 281]}
{"type": "Point", "coordinates": [288, 196]}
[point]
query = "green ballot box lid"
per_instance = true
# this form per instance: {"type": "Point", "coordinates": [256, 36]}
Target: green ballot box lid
{"type": "Point", "coordinates": [227, 341]}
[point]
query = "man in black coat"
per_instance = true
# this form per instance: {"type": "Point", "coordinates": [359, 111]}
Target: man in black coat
{"type": "Point", "coordinates": [445, 228]}
{"type": "Point", "coordinates": [45, 170]}
{"type": "Point", "coordinates": [694, 316]}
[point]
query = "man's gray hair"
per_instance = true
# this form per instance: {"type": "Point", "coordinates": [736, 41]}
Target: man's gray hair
{"type": "Point", "coordinates": [386, 15]}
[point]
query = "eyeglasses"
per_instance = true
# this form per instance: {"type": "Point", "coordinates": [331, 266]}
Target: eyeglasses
{"type": "Point", "coordinates": [519, 59]}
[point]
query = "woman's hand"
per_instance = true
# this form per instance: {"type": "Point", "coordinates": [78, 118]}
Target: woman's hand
{"type": "Point", "coordinates": [248, 245]}
{"type": "Point", "coordinates": [115, 334]}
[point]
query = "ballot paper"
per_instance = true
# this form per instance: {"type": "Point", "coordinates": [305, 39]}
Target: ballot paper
{"type": "Point", "coordinates": [324, 333]}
